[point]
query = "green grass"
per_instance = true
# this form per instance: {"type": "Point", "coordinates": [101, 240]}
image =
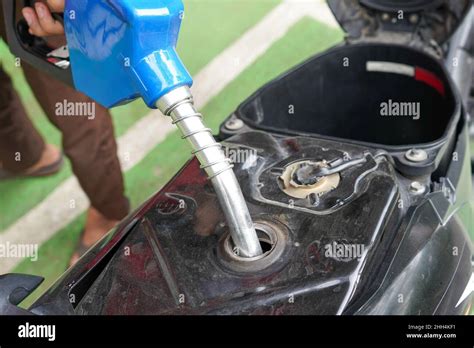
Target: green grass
{"type": "Point", "coordinates": [204, 35]}
{"type": "Point", "coordinates": [161, 164]}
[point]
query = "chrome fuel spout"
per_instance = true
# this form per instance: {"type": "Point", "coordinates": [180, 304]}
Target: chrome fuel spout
{"type": "Point", "coordinates": [179, 105]}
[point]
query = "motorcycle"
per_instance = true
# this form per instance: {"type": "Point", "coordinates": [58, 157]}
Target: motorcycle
{"type": "Point", "coordinates": [354, 167]}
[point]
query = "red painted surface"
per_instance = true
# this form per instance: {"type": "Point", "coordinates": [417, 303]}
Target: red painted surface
{"type": "Point", "coordinates": [430, 79]}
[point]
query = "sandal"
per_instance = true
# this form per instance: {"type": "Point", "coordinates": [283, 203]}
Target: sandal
{"type": "Point", "coordinates": [49, 169]}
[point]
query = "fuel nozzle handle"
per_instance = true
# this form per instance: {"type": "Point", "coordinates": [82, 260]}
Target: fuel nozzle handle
{"type": "Point", "coordinates": [179, 105]}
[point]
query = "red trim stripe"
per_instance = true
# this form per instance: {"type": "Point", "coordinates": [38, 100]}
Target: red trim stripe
{"type": "Point", "coordinates": [430, 79]}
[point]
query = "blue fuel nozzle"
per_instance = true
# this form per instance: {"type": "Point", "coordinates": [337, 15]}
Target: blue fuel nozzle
{"type": "Point", "coordinates": [121, 50]}
{"type": "Point", "coordinates": [124, 49]}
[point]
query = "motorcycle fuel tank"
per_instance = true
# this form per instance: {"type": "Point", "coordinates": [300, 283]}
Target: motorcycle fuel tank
{"type": "Point", "coordinates": [323, 254]}
{"type": "Point", "coordinates": [178, 258]}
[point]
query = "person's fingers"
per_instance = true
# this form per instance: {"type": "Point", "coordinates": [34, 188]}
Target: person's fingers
{"type": "Point", "coordinates": [46, 20]}
{"type": "Point", "coordinates": [56, 5]}
{"type": "Point", "coordinates": [33, 22]}
{"type": "Point", "coordinates": [41, 22]}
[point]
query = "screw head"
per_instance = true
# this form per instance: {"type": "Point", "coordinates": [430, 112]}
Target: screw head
{"type": "Point", "coordinates": [417, 188]}
{"type": "Point", "coordinates": [234, 124]}
{"type": "Point", "coordinates": [416, 155]}
{"type": "Point", "coordinates": [413, 18]}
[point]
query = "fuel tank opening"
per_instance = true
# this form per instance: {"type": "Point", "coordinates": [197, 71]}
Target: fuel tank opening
{"type": "Point", "coordinates": [300, 179]}
{"type": "Point", "coordinates": [273, 237]}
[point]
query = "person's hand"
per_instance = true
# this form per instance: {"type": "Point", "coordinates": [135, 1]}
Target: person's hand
{"type": "Point", "coordinates": [40, 18]}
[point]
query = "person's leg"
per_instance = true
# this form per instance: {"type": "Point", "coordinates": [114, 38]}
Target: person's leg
{"type": "Point", "coordinates": [20, 144]}
{"type": "Point", "coordinates": [22, 150]}
{"type": "Point", "coordinates": [89, 143]}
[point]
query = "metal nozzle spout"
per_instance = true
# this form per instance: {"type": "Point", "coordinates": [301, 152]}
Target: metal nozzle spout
{"type": "Point", "coordinates": [179, 105]}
